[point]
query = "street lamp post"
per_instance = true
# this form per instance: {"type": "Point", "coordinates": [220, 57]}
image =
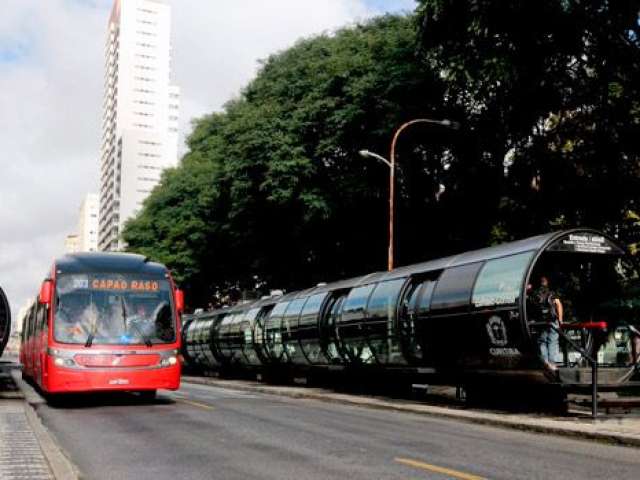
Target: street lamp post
{"type": "Point", "coordinates": [391, 163]}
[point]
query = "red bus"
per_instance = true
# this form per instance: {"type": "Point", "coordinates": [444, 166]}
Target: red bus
{"type": "Point", "coordinates": [104, 322]}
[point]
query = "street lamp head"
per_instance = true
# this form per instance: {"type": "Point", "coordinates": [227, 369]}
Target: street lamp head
{"type": "Point", "coordinates": [364, 153]}
{"type": "Point", "coordinates": [450, 124]}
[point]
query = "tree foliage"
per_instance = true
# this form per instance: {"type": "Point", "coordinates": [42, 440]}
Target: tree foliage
{"type": "Point", "coordinates": [272, 191]}
{"type": "Point", "coordinates": [550, 89]}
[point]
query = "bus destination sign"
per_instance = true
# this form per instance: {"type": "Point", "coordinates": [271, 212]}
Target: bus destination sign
{"type": "Point", "coordinates": [135, 285]}
{"type": "Point", "coordinates": [586, 243]}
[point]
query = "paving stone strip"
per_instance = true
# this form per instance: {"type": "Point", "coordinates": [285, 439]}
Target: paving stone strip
{"type": "Point", "coordinates": [20, 454]}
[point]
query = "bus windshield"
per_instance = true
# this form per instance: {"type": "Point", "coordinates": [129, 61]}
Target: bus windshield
{"type": "Point", "coordinates": [113, 309]}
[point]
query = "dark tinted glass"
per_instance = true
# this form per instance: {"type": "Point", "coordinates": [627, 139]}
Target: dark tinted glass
{"type": "Point", "coordinates": [382, 303]}
{"type": "Point", "coordinates": [417, 300]}
{"type": "Point", "coordinates": [248, 324]}
{"type": "Point", "coordinates": [355, 304]}
{"type": "Point", "coordinates": [273, 330]}
{"type": "Point", "coordinates": [454, 286]}
{"type": "Point", "coordinates": [500, 281]}
{"type": "Point", "coordinates": [309, 316]}
{"type": "Point", "coordinates": [290, 320]}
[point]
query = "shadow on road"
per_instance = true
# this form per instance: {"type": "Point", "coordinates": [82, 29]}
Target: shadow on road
{"type": "Point", "coordinates": [107, 399]}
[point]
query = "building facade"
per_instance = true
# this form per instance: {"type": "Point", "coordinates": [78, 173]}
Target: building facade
{"type": "Point", "coordinates": [140, 113]}
{"type": "Point", "coordinates": [71, 244]}
{"type": "Point", "coordinates": [88, 223]}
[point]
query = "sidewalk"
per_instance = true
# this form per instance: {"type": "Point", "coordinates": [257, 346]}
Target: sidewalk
{"type": "Point", "coordinates": [624, 430]}
{"type": "Point", "coordinates": [27, 452]}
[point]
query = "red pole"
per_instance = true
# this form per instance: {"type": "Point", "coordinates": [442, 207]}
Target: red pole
{"type": "Point", "coordinates": [392, 176]}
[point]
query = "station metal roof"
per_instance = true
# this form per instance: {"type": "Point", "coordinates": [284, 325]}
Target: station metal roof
{"type": "Point", "coordinates": [537, 244]}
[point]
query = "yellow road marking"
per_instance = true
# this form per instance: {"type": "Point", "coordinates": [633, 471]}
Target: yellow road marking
{"type": "Point", "coordinates": [195, 404]}
{"type": "Point", "coordinates": [436, 469]}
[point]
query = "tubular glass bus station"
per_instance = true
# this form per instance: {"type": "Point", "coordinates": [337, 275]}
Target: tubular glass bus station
{"type": "Point", "coordinates": [467, 318]}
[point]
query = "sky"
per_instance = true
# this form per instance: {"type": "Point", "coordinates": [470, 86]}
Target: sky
{"type": "Point", "coordinates": [51, 77]}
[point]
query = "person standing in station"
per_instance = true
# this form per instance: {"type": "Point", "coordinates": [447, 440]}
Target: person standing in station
{"type": "Point", "coordinates": [549, 311]}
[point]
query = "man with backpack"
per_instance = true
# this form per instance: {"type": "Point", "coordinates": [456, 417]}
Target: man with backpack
{"type": "Point", "coordinates": [547, 308]}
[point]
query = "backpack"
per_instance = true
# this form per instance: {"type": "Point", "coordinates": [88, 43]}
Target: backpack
{"type": "Point", "coordinates": [544, 305]}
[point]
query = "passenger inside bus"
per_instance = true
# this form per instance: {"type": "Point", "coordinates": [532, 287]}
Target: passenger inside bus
{"type": "Point", "coordinates": [71, 325]}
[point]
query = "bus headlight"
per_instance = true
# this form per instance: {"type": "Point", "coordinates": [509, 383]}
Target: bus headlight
{"type": "Point", "coordinates": [61, 358]}
{"type": "Point", "coordinates": [63, 362]}
{"type": "Point", "coordinates": [169, 361]}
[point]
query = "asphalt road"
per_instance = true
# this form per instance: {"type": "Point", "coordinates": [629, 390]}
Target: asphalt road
{"type": "Point", "coordinates": [203, 432]}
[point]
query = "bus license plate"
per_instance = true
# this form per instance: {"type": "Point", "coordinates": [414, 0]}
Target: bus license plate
{"type": "Point", "coordinates": [119, 381]}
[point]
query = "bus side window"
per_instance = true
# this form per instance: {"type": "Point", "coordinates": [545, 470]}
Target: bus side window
{"type": "Point", "coordinates": [32, 315]}
{"type": "Point", "coordinates": [42, 318]}
{"type": "Point", "coordinates": [25, 326]}
{"type": "Point", "coordinates": [36, 320]}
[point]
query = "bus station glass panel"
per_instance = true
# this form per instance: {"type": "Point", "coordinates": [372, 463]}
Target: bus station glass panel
{"type": "Point", "coordinates": [354, 305]}
{"type": "Point", "coordinates": [381, 312]}
{"type": "Point", "coordinates": [500, 281]}
{"type": "Point", "coordinates": [416, 303]}
{"type": "Point", "coordinates": [453, 290]}
{"type": "Point", "coordinates": [247, 334]}
{"type": "Point", "coordinates": [329, 324]}
{"type": "Point", "coordinates": [259, 333]}
{"type": "Point", "coordinates": [224, 334]}
{"type": "Point", "coordinates": [235, 337]}
{"type": "Point", "coordinates": [273, 331]}
{"type": "Point", "coordinates": [290, 330]}
{"type": "Point", "coordinates": [206, 341]}
{"type": "Point", "coordinates": [382, 304]}
{"type": "Point", "coordinates": [309, 332]}
{"type": "Point", "coordinates": [350, 327]}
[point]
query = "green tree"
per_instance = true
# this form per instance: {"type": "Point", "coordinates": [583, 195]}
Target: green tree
{"type": "Point", "coordinates": [272, 190]}
{"type": "Point", "coordinates": [550, 91]}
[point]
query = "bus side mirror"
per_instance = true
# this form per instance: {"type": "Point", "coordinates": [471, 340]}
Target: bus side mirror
{"type": "Point", "coordinates": [179, 301]}
{"type": "Point", "coordinates": [46, 292]}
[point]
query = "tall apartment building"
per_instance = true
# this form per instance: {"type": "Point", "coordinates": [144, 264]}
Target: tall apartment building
{"type": "Point", "coordinates": [140, 113]}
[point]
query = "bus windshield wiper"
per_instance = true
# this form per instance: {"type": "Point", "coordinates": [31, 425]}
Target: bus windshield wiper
{"type": "Point", "coordinates": [92, 333]}
{"type": "Point", "coordinates": [145, 338]}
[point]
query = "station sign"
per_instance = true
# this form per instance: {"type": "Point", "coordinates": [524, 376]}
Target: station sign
{"type": "Point", "coordinates": [586, 243]}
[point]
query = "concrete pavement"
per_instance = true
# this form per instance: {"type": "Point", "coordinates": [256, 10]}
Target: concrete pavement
{"type": "Point", "coordinates": [623, 430]}
{"type": "Point", "coordinates": [245, 430]}
{"type": "Point", "coordinates": [27, 451]}
{"type": "Point", "coordinates": [207, 432]}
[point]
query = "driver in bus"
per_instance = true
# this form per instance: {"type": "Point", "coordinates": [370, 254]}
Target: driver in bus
{"type": "Point", "coordinates": [548, 310]}
{"type": "Point", "coordinates": [139, 322]}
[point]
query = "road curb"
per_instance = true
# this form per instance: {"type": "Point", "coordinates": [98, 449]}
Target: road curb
{"type": "Point", "coordinates": [582, 429]}
{"type": "Point", "coordinates": [59, 463]}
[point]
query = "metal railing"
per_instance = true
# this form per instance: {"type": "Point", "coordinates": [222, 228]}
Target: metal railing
{"type": "Point", "coordinates": [592, 362]}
